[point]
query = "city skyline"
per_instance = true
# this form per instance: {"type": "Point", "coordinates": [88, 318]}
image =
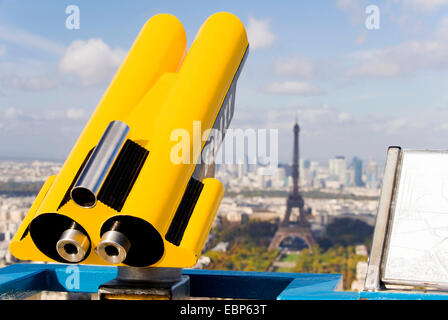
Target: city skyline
{"type": "Point", "coordinates": [325, 162]}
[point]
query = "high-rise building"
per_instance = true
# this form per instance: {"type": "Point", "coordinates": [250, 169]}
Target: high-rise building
{"type": "Point", "coordinates": [304, 169]}
{"type": "Point", "coordinates": [338, 167]}
{"type": "Point", "coordinates": [304, 164]}
{"type": "Point", "coordinates": [314, 165]}
{"type": "Point", "coordinates": [349, 177]}
{"type": "Point", "coordinates": [357, 167]}
{"type": "Point", "coordinates": [313, 169]}
{"type": "Point", "coordinates": [281, 174]}
{"type": "Point", "coordinates": [279, 178]}
{"type": "Point", "coordinates": [372, 174]}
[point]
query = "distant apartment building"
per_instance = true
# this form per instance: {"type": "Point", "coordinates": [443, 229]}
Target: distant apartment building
{"type": "Point", "coordinates": [338, 168]}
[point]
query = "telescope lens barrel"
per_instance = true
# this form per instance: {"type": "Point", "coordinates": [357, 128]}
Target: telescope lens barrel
{"type": "Point", "coordinates": [72, 245]}
{"type": "Point", "coordinates": [92, 177]}
{"type": "Point", "coordinates": [114, 247]}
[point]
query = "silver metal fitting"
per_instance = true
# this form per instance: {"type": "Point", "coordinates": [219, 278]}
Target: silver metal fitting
{"type": "Point", "coordinates": [113, 247]}
{"type": "Point", "coordinates": [73, 245]}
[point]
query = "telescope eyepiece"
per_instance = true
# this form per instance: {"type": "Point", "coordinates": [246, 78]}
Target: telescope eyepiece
{"type": "Point", "coordinates": [96, 170]}
{"type": "Point", "coordinates": [113, 247]}
{"type": "Point", "coordinates": [83, 197]}
{"type": "Point", "coordinates": [73, 245]}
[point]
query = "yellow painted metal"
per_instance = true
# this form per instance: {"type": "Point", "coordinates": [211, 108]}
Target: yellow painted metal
{"type": "Point", "coordinates": [21, 244]}
{"type": "Point", "coordinates": [158, 89]}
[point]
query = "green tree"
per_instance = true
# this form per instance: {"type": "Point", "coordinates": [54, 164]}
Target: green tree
{"type": "Point", "coordinates": [346, 232]}
{"type": "Point", "coordinates": [248, 244]}
{"type": "Point", "coordinates": [341, 260]}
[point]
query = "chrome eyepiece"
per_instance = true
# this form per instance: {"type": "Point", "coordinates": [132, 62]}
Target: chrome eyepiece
{"type": "Point", "coordinates": [113, 247]}
{"type": "Point", "coordinates": [73, 245]}
{"type": "Point", "coordinates": [86, 189]}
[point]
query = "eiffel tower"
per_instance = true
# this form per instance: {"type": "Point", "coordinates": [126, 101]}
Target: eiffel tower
{"type": "Point", "coordinates": [300, 228]}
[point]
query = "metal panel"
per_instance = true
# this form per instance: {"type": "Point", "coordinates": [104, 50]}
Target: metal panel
{"type": "Point", "coordinates": [373, 281]}
{"type": "Point", "coordinates": [417, 251]}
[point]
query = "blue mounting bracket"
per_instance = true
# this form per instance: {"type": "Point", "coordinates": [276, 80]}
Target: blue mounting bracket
{"type": "Point", "coordinates": [19, 281]}
{"type": "Point", "coordinates": [22, 280]}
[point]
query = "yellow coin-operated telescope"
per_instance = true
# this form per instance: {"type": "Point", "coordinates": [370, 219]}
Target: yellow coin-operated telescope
{"type": "Point", "coordinates": [122, 197]}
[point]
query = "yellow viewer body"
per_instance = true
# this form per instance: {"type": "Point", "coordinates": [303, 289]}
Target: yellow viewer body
{"type": "Point", "coordinates": [119, 198]}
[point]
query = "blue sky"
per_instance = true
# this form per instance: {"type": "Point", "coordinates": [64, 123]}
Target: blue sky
{"type": "Point", "coordinates": [355, 91]}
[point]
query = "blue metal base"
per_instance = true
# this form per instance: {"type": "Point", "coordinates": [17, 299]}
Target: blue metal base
{"type": "Point", "coordinates": [402, 295]}
{"type": "Point", "coordinates": [19, 281]}
{"type": "Point", "coordinates": [22, 280]}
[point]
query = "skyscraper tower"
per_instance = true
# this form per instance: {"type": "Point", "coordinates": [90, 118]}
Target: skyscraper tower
{"type": "Point", "coordinates": [357, 166]}
{"type": "Point", "coordinates": [295, 199]}
{"type": "Point", "coordinates": [301, 227]}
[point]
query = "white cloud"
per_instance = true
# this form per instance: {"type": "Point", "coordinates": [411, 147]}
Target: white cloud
{"type": "Point", "coordinates": [293, 87]}
{"type": "Point", "coordinates": [25, 38]}
{"type": "Point", "coordinates": [25, 74]}
{"type": "Point", "coordinates": [345, 117]}
{"type": "Point", "coordinates": [75, 114]}
{"type": "Point", "coordinates": [297, 65]}
{"type": "Point", "coordinates": [405, 58]}
{"type": "Point", "coordinates": [34, 83]}
{"type": "Point", "coordinates": [354, 9]}
{"type": "Point", "coordinates": [426, 5]}
{"type": "Point", "coordinates": [327, 131]}
{"type": "Point", "coordinates": [17, 115]}
{"type": "Point", "coordinates": [362, 37]}
{"type": "Point", "coordinates": [392, 126]}
{"type": "Point", "coordinates": [322, 119]}
{"type": "Point", "coordinates": [92, 61]}
{"type": "Point", "coordinates": [441, 31]}
{"type": "Point", "coordinates": [259, 34]}
{"type": "Point", "coordinates": [11, 113]}
{"type": "Point", "coordinates": [39, 132]}
{"type": "Point", "coordinates": [400, 60]}
{"type": "Point", "coordinates": [443, 126]}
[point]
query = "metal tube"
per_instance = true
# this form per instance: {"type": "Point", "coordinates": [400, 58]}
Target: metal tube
{"type": "Point", "coordinates": [114, 247]}
{"type": "Point", "coordinates": [92, 177]}
{"type": "Point", "coordinates": [73, 244]}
